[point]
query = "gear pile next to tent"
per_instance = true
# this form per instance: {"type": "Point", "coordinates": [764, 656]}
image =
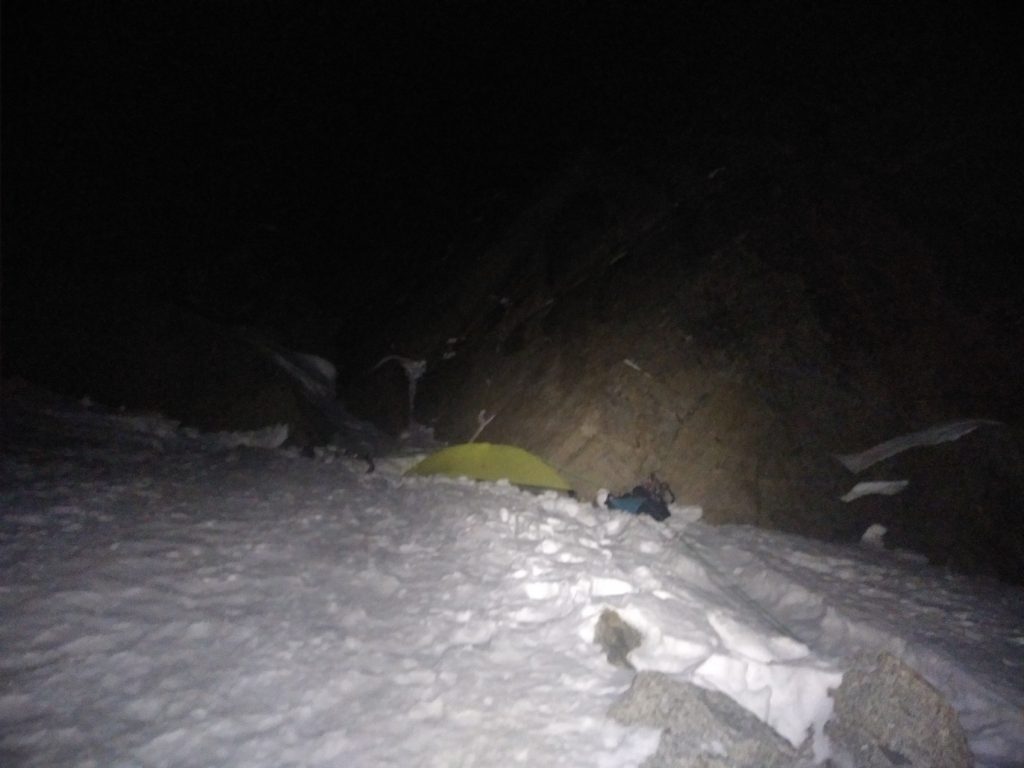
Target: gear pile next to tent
{"type": "Point", "coordinates": [651, 497]}
{"type": "Point", "coordinates": [490, 461]}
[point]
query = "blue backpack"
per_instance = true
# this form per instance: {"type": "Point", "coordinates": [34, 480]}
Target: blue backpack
{"type": "Point", "coordinates": [648, 498]}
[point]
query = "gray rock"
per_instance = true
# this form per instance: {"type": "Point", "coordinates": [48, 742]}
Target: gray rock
{"type": "Point", "coordinates": [617, 638]}
{"type": "Point", "coordinates": [887, 715]}
{"type": "Point", "coordinates": [702, 728]}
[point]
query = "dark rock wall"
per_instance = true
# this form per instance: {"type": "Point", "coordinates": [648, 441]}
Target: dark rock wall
{"type": "Point", "coordinates": [156, 357]}
{"type": "Point", "coordinates": [728, 324]}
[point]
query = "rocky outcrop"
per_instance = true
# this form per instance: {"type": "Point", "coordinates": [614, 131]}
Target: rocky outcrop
{"type": "Point", "coordinates": [730, 331]}
{"type": "Point", "coordinates": [156, 357]}
{"type": "Point", "coordinates": [885, 715]}
{"type": "Point", "coordinates": [962, 504]}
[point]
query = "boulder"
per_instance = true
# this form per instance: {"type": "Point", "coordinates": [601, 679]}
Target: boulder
{"type": "Point", "coordinates": [888, 716]}
{"type": "Point", "coordinates": [701, 728]}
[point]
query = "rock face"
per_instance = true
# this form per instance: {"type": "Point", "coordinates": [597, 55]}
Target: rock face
{"type": "Point", "coordinates": [702, 729]}
{"type": "Point", "coordinates": [381, 395]}
{"type": "Point", "coordinates": [886, 715]}
{"type": "Point", "coordinates": [973, 490]}
{"type": "Point", "coordinates": [730, 333]}
{"type": "Point", "coordinates": [708, 369]}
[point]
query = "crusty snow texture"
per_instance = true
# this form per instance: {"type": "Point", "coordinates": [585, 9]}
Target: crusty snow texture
{"type": "Point", "coordinates": [175, 599]}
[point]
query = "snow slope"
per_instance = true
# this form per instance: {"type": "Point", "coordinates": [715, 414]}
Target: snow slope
{"type": "Point", "coordinates": [174, 599]}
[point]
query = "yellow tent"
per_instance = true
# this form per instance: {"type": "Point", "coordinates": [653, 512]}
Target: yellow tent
{"type": "Point", "coordinates": [488, 461]}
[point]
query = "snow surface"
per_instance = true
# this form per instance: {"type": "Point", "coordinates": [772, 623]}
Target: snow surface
{"type": "Point", "coordinates": [176, 599]}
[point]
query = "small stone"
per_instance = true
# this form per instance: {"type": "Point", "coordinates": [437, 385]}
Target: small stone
{"type": "Point", "coordinates": [617, 638]}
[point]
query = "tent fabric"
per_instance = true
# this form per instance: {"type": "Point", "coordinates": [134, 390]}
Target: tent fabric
{"type": "Point", "coordinates": [491, 461]}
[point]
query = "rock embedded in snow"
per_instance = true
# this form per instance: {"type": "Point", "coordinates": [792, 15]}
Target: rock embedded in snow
{"type": "Point", "coordinates": [702, 728]}
{"type": "Point", "coordinates": [617, 638]}
{"type": "Point", "coordinates": [887, 715]}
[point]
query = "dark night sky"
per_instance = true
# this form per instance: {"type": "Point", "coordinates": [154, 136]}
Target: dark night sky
{"type": "Point", "coordinates": [142, 137]}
